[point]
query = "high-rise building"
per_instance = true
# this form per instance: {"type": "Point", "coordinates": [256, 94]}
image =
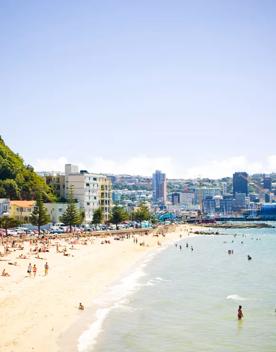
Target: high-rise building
{"type": "Point", "coordinates": [267, 183]}
{"type": "Point", "coordinates": [159, 188]}
{"type": "Point", "coordinates": [240, 183]}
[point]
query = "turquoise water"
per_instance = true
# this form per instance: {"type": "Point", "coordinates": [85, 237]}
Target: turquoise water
{"type": "Point", "coordinates": [187, 301]}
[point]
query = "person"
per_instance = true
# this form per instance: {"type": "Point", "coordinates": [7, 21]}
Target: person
{"type": "Point", "coordinates": [81, 306]}
{"type": "Point", "coordinates": [4, 273]}
{"type": "Point", "coordinates": [46, 267]}
{"type": "Point", "coordinates": [249, 257]}
{"type": "Point", "coordinates": [29, 270]}
{"type": "Point", "coordinates": [240, 313]}
{"type": "Point", "coordinates": [34, 270]}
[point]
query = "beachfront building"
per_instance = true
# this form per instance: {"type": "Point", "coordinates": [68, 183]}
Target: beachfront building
{"type": "Point", "coordinates": [56, 210]}
{"type": "Point", "coordinates": [4, 206]}
{"type": "Point", "coordinates": [90, 190]}
{"type": "Point", "coordinates": [21, 209]}
{"type": "Point", "coordinates": [105, 195]}
{"type": "Point", "coordinates": [159, 188]}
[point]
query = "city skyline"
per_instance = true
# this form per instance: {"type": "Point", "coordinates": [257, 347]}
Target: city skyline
{"type": "Point", "coordinates": [187, 88]}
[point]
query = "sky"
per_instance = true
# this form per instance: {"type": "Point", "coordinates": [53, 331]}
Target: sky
{"type": "Point", "coordinates": [187, 87]}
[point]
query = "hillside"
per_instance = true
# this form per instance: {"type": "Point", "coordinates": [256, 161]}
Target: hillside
{"type": "Point", "coordinates": [17, 180]}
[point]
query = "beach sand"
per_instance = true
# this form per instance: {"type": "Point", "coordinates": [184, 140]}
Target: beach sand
{"type": "Point", "coordinates": [37, 311]}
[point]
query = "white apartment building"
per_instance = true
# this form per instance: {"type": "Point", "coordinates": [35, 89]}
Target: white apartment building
{"type": "Point", "coordinates": [90, 190]}
{"type": "Point", "coordinates": [4, 206]}
{"type": "Point", "coordinates": [56, 210]}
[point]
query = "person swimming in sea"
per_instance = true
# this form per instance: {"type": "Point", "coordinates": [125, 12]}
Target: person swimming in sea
{"type": "Point", "coordinates": [240, 313]}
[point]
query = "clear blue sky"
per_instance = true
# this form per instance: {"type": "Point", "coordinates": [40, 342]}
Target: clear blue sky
{"type": "Point", "coordinates": [130, 86]}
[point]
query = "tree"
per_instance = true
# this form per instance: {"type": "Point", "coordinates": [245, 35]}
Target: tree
{"type": "Point", "coordinates": [118, 215]}
{"type": "Point", "coordinates": [19, 181]}
{"type": "Point", "coordinates": [39, 216]}
{"type": "Point", "coordinates": [72, 216]}
{"type": "Point", "coordinates": [9, 189]}
{"type": "Point", "coordinates": [6, 222]}
{"type": "Point", "coordinates": [98, 216]}
{"type": "Point", "coordinates": [141, 214]}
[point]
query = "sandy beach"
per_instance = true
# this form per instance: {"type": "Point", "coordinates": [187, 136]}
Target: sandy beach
{"type": "Point", "coordinates": [37, 311]}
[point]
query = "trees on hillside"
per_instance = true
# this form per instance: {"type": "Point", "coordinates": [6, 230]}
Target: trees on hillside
{"type": "Point", "coordinates": [72, 216]}
{"type": "Point", "coordinates": [39, 216]}
{"type": "Point", "coordinates": [19, 181]}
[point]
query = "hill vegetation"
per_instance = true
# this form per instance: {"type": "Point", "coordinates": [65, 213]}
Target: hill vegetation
{"type": "Point", "coordinates": [19, 181]}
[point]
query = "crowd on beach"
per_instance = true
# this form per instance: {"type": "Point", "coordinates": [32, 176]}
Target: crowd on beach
{"type": "Point", "coordinates": [14, 250]}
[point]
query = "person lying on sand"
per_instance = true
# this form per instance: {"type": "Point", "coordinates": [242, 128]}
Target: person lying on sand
{"type": "Point", "coordinates": [38, 257]}
{"type": "Point", "coordinates": [4, 273]}
{"type": "Point", "coordinates": [14, 263]}
{"type": "Point", "coordinates": [22, 256]}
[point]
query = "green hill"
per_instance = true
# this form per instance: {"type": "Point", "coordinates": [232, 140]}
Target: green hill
{"type": "Point", "coordinates": [19, 181]}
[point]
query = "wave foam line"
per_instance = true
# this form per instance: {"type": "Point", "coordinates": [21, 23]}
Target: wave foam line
{"type": "Point", "coordinates": [114, 298]}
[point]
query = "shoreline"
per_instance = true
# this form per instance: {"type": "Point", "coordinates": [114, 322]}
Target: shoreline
{"type": "Point", "coordinates": [39, 311]}
{"type": "Point", "coordinates": [92, 319]}
{"type": "Point", "coordinates": [89, 325]}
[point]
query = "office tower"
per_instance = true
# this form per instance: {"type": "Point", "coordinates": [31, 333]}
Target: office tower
{"type": "Point", "coordinates": [159, 188]}
{"type": "Point", "coordinates": [240, 183]}
{"type": "Point", "coordinates": [267, 183]}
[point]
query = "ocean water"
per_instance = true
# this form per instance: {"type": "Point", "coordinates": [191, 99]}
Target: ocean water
{"type": "Point", "coordinates": [183, 300]}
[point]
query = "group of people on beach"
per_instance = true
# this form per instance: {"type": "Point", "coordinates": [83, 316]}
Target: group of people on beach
{"type": "Point", "coordinates": [33, 269]}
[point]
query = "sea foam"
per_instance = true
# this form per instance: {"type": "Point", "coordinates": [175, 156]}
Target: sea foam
{"type": "Point", "coordinates": [236, 298]}
{"type": "Point", "coordinates": [114, 298]}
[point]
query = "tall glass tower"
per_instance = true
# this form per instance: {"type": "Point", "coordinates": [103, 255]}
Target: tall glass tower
{"type": "Point", "coordinates": [159, 188]}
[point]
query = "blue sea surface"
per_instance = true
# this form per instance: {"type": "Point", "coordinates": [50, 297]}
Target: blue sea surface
{"type": "Point", "coordinates": [187, 300]}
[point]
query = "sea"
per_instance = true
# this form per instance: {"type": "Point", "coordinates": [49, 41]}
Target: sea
{"type": "Point", "coordinates": [182, 300]}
